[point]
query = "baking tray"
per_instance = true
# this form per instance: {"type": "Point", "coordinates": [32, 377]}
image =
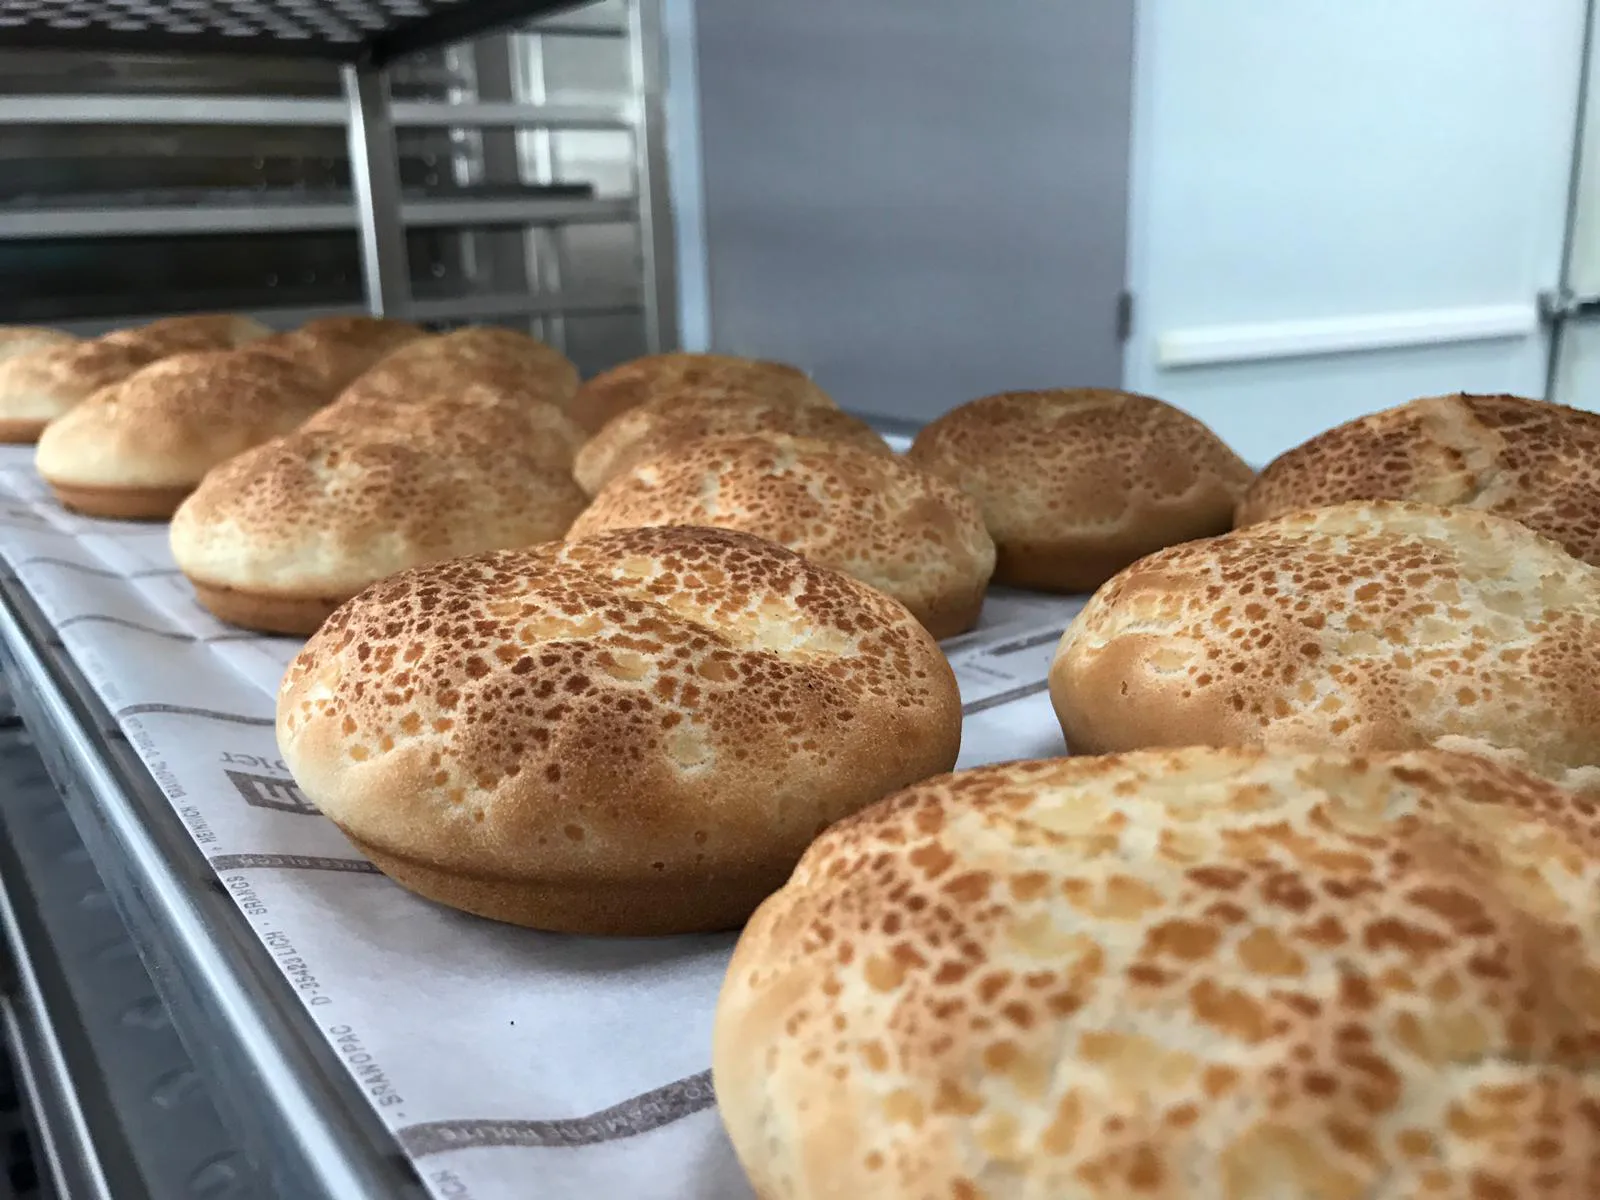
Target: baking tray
{"type": "Point", "coordinates": [295, 1108]}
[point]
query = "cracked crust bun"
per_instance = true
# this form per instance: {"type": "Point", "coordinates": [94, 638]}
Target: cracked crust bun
{"type": "Point", "coordinates": [1188, 975]}
{"type": "Point", "coordinates": [511, 362]}
{"type": "Point", "coordinates": [873, 516]}
{"type": "Point", "coordinates": [135, 449]}
{"type": "Point", "coordinates": [338, 349]}
{"type": "Point", "coordinates": [39, 385]}
{"type": "Point", "coordinates": [1361, 627]}
{"type": "Point", "coordinates": [1529, 460]}
{"type": "Point", "coordinates": [680, 373]}
{"type": "Point", "coordinates": [176, 335]}
{"type": "Point", "coordinates": [20, 339]}
{"type": "Point", "coordinates": [637, 733]}
{"type": "Point", "coordinates": [1076, 484]}
{"type": "Point", "coordinates": [280, 536]}
{"type": "Point", "coordinates": [671, 422]}
{"type": "Point", "coordinates": [476, 412]}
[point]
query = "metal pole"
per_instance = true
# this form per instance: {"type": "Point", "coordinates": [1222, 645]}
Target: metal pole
{"type": "Point", "coordinates": [507, 253]}
{"type": "Point", "coordinates": [1556, 323]}
{"type": "Point", "coordinates": [548, 245]}
{"type": "Point", "coordinates": [375, 176]}
{"type": "Point", "coordinates": [650, 174]}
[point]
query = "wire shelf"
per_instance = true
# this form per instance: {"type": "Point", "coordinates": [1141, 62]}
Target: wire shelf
{"type": "Point", "coordinates": [370, 31]}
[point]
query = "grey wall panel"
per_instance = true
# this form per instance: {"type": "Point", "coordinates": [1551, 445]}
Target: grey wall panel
{"type": "Point", "coordinates": [918, 200]}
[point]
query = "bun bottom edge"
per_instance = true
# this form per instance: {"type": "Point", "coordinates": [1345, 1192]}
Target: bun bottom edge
{"type": "Point", "coordinates": [602, 908]}
{"type": "Point", "coordinates": [953, 614]}
{"type": "Point", "coordinates": [121, 503]}
{"type": "Point", "coordinates": [1064, 568]}
{"type": "Point", "coordinates": [297, 615]}
{"type": "Point", "coordinates": [16, 431]}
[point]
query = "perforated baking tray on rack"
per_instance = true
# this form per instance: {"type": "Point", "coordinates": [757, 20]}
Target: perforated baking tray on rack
{"type": "Point", "coordinates": [374, 31]}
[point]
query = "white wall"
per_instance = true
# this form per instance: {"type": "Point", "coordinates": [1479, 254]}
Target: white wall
{"type": "Point", "coordinates": [1372, 172]}
{"type": "Point", "coordinates": [919, 201]}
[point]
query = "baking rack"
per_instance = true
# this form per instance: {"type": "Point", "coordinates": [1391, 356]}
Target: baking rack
{"type": "Point", "coordinates": [247, 1044]}
{"type": "Point", "coordinates": [363, 38]}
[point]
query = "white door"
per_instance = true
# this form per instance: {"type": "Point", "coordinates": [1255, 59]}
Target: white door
{"type": "Point", "coordinates": [1339, 207]}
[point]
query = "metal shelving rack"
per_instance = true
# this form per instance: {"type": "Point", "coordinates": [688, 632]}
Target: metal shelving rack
{"type": "Point", "coordinates": [364, 37]}
{"type": "Point", "coordinates": [249, 1099]}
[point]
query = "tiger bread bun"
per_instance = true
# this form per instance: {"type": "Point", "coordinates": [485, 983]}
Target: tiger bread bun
{"type": "Point", "coordinates": [673, 421]}
{"type": "Point", "coordinates": [873, 516]}
{"type": "Point", "coordinates": [1077, 483]}
{"type": "Point", "coordinates": [135, 449]}
{"type": "Point", "coordinates": [1361, 627]}
{"type": "Point", "coordinates": [504, 359]}
{"type": "Point", "coordinates": [205, 331]}
{"type": "Point", "coordinates": [338, 349]}
{"type": "Point", "coordinates": [1199, 974]}
{"type": "Point", "coordinates": [636, 733]}
{"type": "Point", "coordinates": [1532, 461]}
{"type": "Point", "coordinates": [473, 412]}
{"type": "Point", "coordinates": [40, 384]}
{"type": "Point", "coordinates": [680, 373]}
{"type": "Point", "coordinates": [20, 339]}
{"type": "Point", "coordinates": [278, 537]}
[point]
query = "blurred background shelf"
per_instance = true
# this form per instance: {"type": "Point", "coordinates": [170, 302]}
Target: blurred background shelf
{"type": "Point", "coordinates": [527, 172]}
{"type": "Point", "coordinates": [374, 31]}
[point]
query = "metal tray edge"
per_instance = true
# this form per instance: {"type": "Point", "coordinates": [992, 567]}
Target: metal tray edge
{"type": "Point", "coordinates": [289, 1101]}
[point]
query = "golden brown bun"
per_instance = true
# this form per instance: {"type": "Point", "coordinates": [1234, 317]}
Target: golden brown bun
{"type": "Point", "coordinates": [136, 448]}
{"type": "Point", "coordinates": [37, 386]}
{"type": "Point", "coordinates": [634, 734]}
{"type": "Point", "coordinates": [676, 420]}
{"type": "Point", "coordinates": [1534, 462]}
{"type": "Point", "coordinates": [339, 349]}
{"type": "Point", "coordinates": [873, 516]}
{"type": "Point", "coordinates": [1362, 627]}
{"type": "Point", "coordinates": [642, 380]}
{"type": "Point", "coordinates": [20, 339]}
{"type": "Point", "coordinates": [1190, 975]}
{"type": "Point", "coordinates": [475, 411]}
{"type": "Point", "coordinates": [504, 359]}
{"type": "Point", "coordinates": [281, 535]}
{"type": "Point", "coordinates": [175, 335]}
{"type": "Point", "coordinates": [1075, 484]}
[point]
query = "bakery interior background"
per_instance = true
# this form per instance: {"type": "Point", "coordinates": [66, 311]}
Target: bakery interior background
{"type": "Point", "coordinates": [1277, 217]}
{"type": "Point", "coordinates": [1316, 213]}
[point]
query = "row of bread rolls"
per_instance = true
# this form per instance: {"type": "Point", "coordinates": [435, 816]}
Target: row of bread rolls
{"type": "Point", "coordinates": [129, 423]}
{"type": "Point", "coordinates": [1311, 951]}
{"type": "Point", "coordinates": [1275, 970]}
{"type": "Point", "coordinates": [678, 438]}
{"type": "Point", "coordinates": [1069, 487]}
{"type": "Point", "coordinates": [45, 372]}
{"type": "Point", "coordinates": [448, 446]}
{"type": "Point", "coordinates": [691, 439]}
{"type": "Point", "coordinates": [1222, 641]}
{"type": "Point", "coordinates": [279, 539]}
{"type": "Point", "coordinates": [736, 636]}
{"type": "Point", "coordinates": [1312, 912]}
